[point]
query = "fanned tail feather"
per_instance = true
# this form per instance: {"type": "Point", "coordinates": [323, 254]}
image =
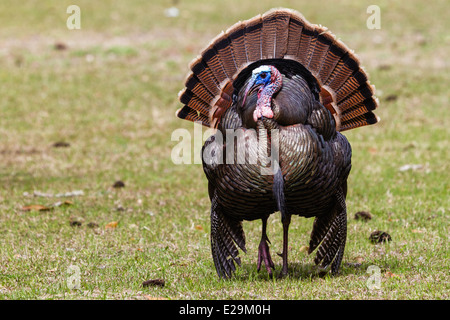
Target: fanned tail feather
{"type": "Point", "coordinates": [236, 34]}
{"type": "Point", "coordinates": [252, 36]}
{"type": "Point", "coordinates": [279, 34]}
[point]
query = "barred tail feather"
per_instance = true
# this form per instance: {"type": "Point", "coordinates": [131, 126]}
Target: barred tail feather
{"type": "Point", "coordinates": [279, 34]}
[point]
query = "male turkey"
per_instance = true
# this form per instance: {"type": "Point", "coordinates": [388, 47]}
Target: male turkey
{"type": "Point", "coordinates": [287, 85]}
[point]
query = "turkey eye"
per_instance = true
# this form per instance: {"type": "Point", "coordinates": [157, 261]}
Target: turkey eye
{"type": "Point", "coordinates": [263, 75]}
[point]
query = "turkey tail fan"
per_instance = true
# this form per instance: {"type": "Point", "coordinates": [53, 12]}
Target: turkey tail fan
{"type": "Point", "coordinates": [279, 34]}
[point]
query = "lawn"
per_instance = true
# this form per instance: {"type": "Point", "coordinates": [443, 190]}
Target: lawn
{"type": "Point", "coordinates": [83, 110]}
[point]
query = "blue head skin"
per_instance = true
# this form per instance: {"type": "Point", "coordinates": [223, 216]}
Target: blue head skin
{"type": "Point", "coordinates": [260, 77]}
{"type": "Point", "coordinates": [268, 80]}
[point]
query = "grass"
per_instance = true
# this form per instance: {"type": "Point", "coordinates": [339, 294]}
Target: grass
{"type": "Point", "coordinates": [111, 93]}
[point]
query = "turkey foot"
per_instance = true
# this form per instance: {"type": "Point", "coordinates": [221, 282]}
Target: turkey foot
{"type": "Point", "coordinates": [264, 255]}
{"type": "Point", "coordinates": [263, 250]}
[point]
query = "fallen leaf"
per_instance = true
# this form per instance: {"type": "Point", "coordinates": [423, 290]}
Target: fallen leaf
{"type": "Point", "coordinates": [154, 298]}
{"type": "Point", "coordinates": [389, 274]}
{"type": "Point", "coordinates": [412, 145]}
{"type": "Point", "coordinates": [62, 203]}
{"type": "Point", "coordinates": [70, 194]}
{"type": "Point", "coordinates": [35, 207]}
{"type": "Point", "coordinates": [42, 194]}
{"type": "Point", "coordinates": [111, 225]}
{"type": "Point", "coordinates": [154, 282]}
{"type": "Point", "coordinates": [61, 144]}
{"type": "Point", "coordinates": [412, 167]}
{"type": "Point", "coordinates": [391, 97]}
{"type": "Point", "coordinates": [59, 195]}
{"type": "Point", "coordinates": [363, 215]}
{"type": "Point", "coordinates": [356, 264]}
{"type": "Point", "coordinates": [172, 12]}
{"type": "Point", "coordinates": [304, 249]}
{"type": "Point", "coordinates": [379, 237]}
{"type": "Point", "coordinates": [199, 227]}
{"type": "Point", "coordinates": [75, 223]}
{"type": "Point", "coordinates": [384, 66]}
{"type": "Point", "coordinates": [353, 265]}
{"type": "Point", "coordinates": [92, 225]}
{"type": "Point", "coordinates": [119, 184]}
{"type": "Point", "coordinates": [60, 46]}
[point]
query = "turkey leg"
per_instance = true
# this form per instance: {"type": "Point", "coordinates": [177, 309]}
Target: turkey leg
{"type": "Point", "coordinates": [286, 220]}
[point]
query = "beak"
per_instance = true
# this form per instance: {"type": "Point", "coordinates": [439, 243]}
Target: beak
{"type": "Point", "coordinates": [252, 85]}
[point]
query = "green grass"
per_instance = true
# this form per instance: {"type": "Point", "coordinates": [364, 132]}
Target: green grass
{"type": "Point", "coordinates": [112, 94]}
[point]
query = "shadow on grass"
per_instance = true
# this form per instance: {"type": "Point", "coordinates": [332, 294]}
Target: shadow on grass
{"type": "Point", "coordinates": [296, 270]}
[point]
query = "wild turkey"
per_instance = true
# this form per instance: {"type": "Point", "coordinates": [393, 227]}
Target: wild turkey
{"type": "Point", "coordinates": [277, 82]}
